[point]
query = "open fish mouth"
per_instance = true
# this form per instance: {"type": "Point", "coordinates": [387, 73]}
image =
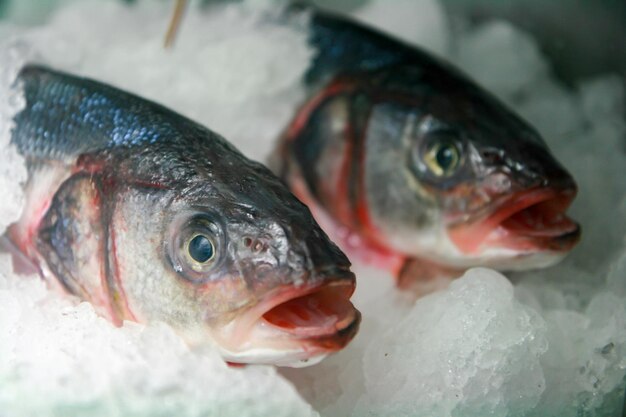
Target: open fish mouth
{"type": "Point", "coordinates": [294, 326]}
{"type": "Point", "coordinates": [324, 312]}
{"type": "Point", "coordinates": [528, 221]}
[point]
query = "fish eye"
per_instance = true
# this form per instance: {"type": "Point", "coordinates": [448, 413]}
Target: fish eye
{"type": "Point", "coordinates": [442, 155]}
{"type": "Point", "coordinates": [200, 249]}
{"type": "Point", "coordinates": [194, 251]}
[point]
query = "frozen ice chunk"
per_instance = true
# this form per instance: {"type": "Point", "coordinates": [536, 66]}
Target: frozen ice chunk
{"type": "Point", "coordinates": [12, 167]}
{"type": "Point", "coordinates": [603, 97]}
{"type": "Point", "coordinates": [501, 58]}
{"type": "Point", "coordinates": [423, 23]}
{"type": "Point", "coordinates": [556, 112]}
{"type": "Point", "coordinates": [470, 350]}
{"type": "Point", "coordinates": [617, 277]}
{"type": "Point", "coordinates": [586, 360]}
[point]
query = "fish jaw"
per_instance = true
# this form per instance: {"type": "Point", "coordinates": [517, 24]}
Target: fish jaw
{"type": "Point", "coordinates": [527, 224]}
{"type": "Point", "coordinates": [292, 327]}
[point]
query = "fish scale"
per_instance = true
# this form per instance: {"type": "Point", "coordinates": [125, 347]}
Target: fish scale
{"type": "Point", "coordinates": [63, 120]}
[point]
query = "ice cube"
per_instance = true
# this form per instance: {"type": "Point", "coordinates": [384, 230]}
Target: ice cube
{"type": "Point", "coordinates": [469, 350]}
{"type": "Point", "coordinates": [501, 58]}
{"type": "Point", "coordinates": [422, 23]}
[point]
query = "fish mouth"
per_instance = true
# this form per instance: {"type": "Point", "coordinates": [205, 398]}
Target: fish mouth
{"type": "Point", "coordinates": [528, 222]}
{"type": "Point", "coordinates": [294, 326]}
{"type": "Point", "coordinates": [323, 312]}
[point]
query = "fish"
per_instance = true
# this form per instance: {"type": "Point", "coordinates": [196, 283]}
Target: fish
{"type": "Point", "coordinates": [151, 217]}
{"type": "Point", "coordinates": [411, 166]}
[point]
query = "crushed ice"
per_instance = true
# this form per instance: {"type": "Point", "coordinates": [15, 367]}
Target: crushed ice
{"type": "Point", "coordinates": [553, 343]}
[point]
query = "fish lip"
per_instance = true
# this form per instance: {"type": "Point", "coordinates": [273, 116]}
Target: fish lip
{"type": "Point", "coordinates": [488, 229]}
{"type": "Point", "coordinates": [320, 332]}
{"type": "Point", "coordinates": [525, 199]}
{"type": "Point", "coordinates": [252, 327]}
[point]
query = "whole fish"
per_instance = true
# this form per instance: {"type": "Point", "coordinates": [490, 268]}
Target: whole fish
{"type": "Point", "coordinates": [408, 163]}
{"type": "Point", "coordinates": [152, 217]}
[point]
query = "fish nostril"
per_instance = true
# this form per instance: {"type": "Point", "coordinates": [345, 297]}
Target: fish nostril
{"type": "Point", "coordinates": [492, 156]}
{"type": "Point", "coordinates": [255, 245]}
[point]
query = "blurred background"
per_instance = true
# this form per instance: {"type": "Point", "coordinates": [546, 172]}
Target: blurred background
{"type": "Point", "coordinates": [581, 38]}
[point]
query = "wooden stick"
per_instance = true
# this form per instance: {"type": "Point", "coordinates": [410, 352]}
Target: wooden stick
{"type": "Point", "coordinates": [172, 30]}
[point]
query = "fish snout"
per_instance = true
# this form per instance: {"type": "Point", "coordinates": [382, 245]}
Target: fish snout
{"type": "Point", "coordinates": [325, 260]}
{"type": "Point", "coordinates": [282, 255]}
{"type": "Point", "coordinates": [302, 286]}
{"type": "Point", "coordinates": [537, 167]}
{"type": "Point", "coordinates": [561, 181]}
{"type": "Point", "coordinates": [313, 260]}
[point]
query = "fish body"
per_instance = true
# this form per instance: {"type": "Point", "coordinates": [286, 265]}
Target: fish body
{"type": "Point", "coordinates": [404, 159]}
{"type": "Point", "coordinates": [152, 217]}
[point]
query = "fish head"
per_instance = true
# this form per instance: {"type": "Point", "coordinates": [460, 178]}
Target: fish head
{"type": "Point", "coordinates": [481, 186]}
{"type": "Point", "coordinates": [424, 163]}
{"type": "Point", "coordinates": [153, 217]}
{"type": "Point", "coordinates": [214, 245]}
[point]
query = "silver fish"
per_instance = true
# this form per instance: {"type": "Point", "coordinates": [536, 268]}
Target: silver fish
{"type": "Point", "coordinates": [410, 165]}
{"type": "Point", "coordinates": [152, 217]}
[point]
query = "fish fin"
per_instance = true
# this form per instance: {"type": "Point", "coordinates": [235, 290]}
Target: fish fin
{"type": "Point", "coordinates": [421, 277]}
{"type": "Point", "coordinates": [22, 264]}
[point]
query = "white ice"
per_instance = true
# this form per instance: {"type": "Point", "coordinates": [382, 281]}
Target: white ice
{"type": "Point", "coordinates": [59, 358]}
{"type": "Point", "coordinates": [553, 343]}
{"type": "Point", "coordinates": [12, 168]}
